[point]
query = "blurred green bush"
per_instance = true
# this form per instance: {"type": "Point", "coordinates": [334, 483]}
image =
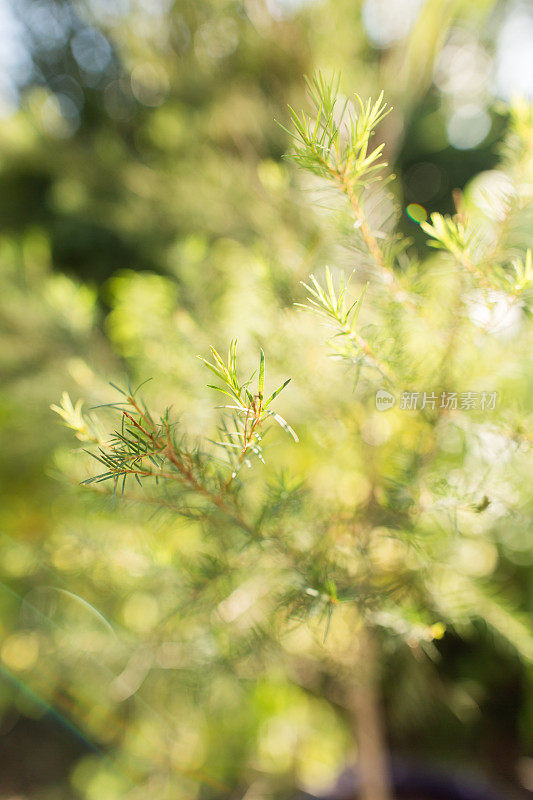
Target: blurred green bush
{"type": "Point", "coordinates": [145, 212]}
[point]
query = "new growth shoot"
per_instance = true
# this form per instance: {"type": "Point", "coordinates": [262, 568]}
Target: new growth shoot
{"type": "Point", "coordinates": [334, 143]}
{"type": "Point", "coordinates": [150, 446]}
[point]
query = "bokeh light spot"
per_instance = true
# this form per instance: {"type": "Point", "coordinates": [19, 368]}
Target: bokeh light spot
{"type": "Point", "coordinates": [416, 212]}
{"type": "Point", "coordinates": [91, 50]}
{"type": "Point", "coordinates": [59, 115]}
{"type": "Point", "coordinates": [118, 100]}
{"type": "Point", "coordinates": [149, 84]}
{"type": "Point", "coordinates": [217, 38]}
{"type": "Point", "coordinates": [468, 126]}
{"type": "Point", "coordinates": [463, 67]}
{"type": "Point", "coordinates": [141, 611]}
{"type": "Point", "coordinates": [20, 651]}
{"type": "Point", "coordinates": [514, 65]}
{"type": "Point", "coordinates": [387, 21]}
{"type": "Point", "coordinates": [281, 9]}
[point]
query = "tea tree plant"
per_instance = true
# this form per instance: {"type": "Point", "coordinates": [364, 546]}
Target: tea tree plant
{"type": "Point", "coordinates": [439, 466]}
{"type": "Point", "coordinates": [148, 447]}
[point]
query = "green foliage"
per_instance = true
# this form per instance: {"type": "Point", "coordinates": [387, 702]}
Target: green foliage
{"type": "Point", "coordinates": [85, 428]}
{"type": "Point", "coordinates": [333, 143]}
{"type": "Point", "coordinates": [348, 343]}
{"type": "Point", "coordinates": [451, 235]}
{"type": "Point", "coordinates": [390, 552]}
{"type": "Point", "coordinates": [150, 447]}
{"type": "Point", "coordinates": [200, 628]}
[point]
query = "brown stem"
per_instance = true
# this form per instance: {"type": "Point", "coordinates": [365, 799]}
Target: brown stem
{"type": "Point", "coordinates": [363, 345]}
{"type": "Point", "coordinates": [466, 262]}
{"type": "Point", "coordinates": [365, 709]}
{"type": "Point", "coordinates": [346, 185]}
{"type": "Point", "coordinates": [247, 438]}
{"type": "Point", "coordinates": [341, 177]}
{"type": "Point", "coordinates": [218, 501]}
{"type": "Point", "coordinates": [366, 233]}
{"type": "Point", "coordinates": [142, 415]}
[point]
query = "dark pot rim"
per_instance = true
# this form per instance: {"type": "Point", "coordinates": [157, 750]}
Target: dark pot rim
{"type": "Point", "coordinates": [413, 779]}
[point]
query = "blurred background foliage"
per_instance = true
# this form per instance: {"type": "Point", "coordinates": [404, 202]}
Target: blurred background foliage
{"type": "Point", "coordinates": [145, 212]}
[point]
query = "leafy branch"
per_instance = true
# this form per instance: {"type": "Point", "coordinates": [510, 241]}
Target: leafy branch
{"type": "Point", "coordinates": [147, 446]}
{"type": "Point", "coordinates": [332, 305]}
{"type": "Point", "coordinates": [86, 428]}
{"type": "Point", "coordinates": [334, 143]}
{"type": "Point", "coordinates": [242, 434]}
{"type": "Point", "coordinates": [452, 235]}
